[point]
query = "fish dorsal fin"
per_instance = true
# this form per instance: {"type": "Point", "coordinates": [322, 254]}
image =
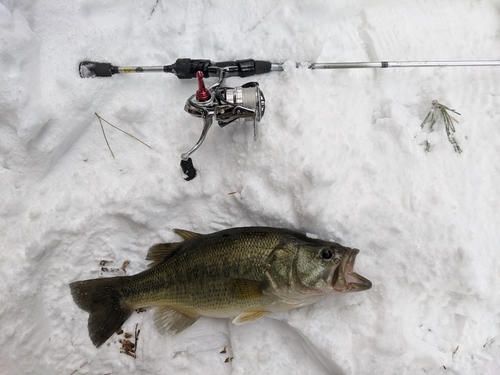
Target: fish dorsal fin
{"type": "Point", "coordinates": [248, 317]}
{"type": "Point", "coordinates": [186, 234]}
{"type": "Point", "coordinates": [157, 253]}
{"type": "Point", "coordinates": [245, 289]}
{"type": "Point", "coordinates": [170, 322]}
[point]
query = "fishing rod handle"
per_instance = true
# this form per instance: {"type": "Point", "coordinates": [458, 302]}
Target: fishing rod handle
{"type": "Point", "coordinates": [242, 68]}
{"type": "Point", "coordinates": [183, 68]}
{"type": "Point", "coordinates": [92, 69]}
{"type": "Point", "coordinates": [187, 68]}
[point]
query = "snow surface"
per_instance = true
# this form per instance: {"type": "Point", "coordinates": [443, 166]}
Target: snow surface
{"type": "Point", "coordinates": [338, 156]}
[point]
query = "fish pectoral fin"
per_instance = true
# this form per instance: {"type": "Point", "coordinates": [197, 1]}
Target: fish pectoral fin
{"type": "Point", "coordinates": [157, 253]}
{"type": "Point", "coordinates": [248, 317]}
{"type": "Point", "coordinates": [170, 322]}
{"type": "Point", "coordinates": [186, 234]}
{"type": "Point", "coordinates": [244, 288]}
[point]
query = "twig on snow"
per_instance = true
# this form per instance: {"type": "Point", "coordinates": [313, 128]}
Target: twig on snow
{"type": "Point", "coordinates": [116, 127]}
{"type": "Point", "coordinates": [437, 110]}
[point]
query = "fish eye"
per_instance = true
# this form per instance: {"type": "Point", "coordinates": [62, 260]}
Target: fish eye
{"type": "Point", "coordinates": [326, 254]}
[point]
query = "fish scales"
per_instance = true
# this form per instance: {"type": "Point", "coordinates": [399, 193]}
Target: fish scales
{"type": "Point", "coordinates": [196, 277]}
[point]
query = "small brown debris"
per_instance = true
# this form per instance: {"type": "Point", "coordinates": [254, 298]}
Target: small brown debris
{"type": "Point", "coordinates": [119, 331]}
{"type": "Point", "coordinates": [489, 342]}
{"type": "Point", "coordinates": [228, 359]}
{"type": "Point", "coordinates": [106, 269]}
{"type": "Point", "coordinates": [224, 351]}
{"type": "Point", "coordinates": [105, 262]}
{"type": "Point", "coordinates": [128, 347]}
{"type": "Point", "coordinates": [126, 262]}
{"type": "Point", "coordinates": [455, 351]}
{"type": "Point", "coordinates": [237, 193]}
{"type": "Point", "coordinates": [140, 310]}
{"type": "Point", "coordinates": [137, 331]}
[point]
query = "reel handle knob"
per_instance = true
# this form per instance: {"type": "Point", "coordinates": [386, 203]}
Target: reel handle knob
{"type": "Point", "coordinates": [188, 169]}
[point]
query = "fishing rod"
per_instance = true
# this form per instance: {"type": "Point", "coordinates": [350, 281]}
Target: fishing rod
{"type": "Point", "coordinates": [242, 103]}
{"type": "Point", "coordinates": [187, 68]}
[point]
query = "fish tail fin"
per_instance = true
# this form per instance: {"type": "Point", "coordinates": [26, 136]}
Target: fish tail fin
{"type": "Point", "coordinates": [106, 305]}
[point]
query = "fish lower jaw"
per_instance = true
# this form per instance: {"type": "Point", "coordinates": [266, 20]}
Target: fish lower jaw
{"type": "Point", "coordinates": [352, 282]}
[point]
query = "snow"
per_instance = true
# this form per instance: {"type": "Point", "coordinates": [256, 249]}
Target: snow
{"type": "Point", "coordinates": [338, 157]}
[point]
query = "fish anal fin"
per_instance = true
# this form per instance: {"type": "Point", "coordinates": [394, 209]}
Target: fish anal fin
{"type": "Point", "coordinates": [245, 289]}
{"type": "Point", "coordinates": [186, 234]}
{"type": "Point", "coordinates": [170, 322]}
{"type": "Point", "coordinates": [248, 317]}
{"type": "Point", "coordinates": [157, 253]}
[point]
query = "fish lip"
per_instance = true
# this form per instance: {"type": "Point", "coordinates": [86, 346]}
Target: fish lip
{"type": "Point", "coordinates": [345, 279]}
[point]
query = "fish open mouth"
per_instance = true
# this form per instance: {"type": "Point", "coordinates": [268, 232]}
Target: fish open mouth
{"type": "Point", "coordinates": [345, 279]}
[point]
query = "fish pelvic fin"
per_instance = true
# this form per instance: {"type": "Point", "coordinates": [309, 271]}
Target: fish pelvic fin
{"type": "Point", "coordinates": [170, 322]}
{"type": "Point", "coordinates": [157, 253]}
{"type": "Point", "coordinates": [248, 317]}
{"type": "Point", "coordinates": [102, 299]}
{"type": "Point", "coordinates": [186, 234]}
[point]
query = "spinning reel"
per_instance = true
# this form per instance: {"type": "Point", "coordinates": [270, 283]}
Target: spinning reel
{"type": "Point", "coordinates": [226, 104]}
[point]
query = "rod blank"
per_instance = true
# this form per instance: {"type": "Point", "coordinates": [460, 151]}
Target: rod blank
{"type": "Point", "coordinates": [403, 64]}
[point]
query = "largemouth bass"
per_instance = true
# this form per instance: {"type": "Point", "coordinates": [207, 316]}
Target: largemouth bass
{"type": "Point", "coordinates": [240, 273]}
